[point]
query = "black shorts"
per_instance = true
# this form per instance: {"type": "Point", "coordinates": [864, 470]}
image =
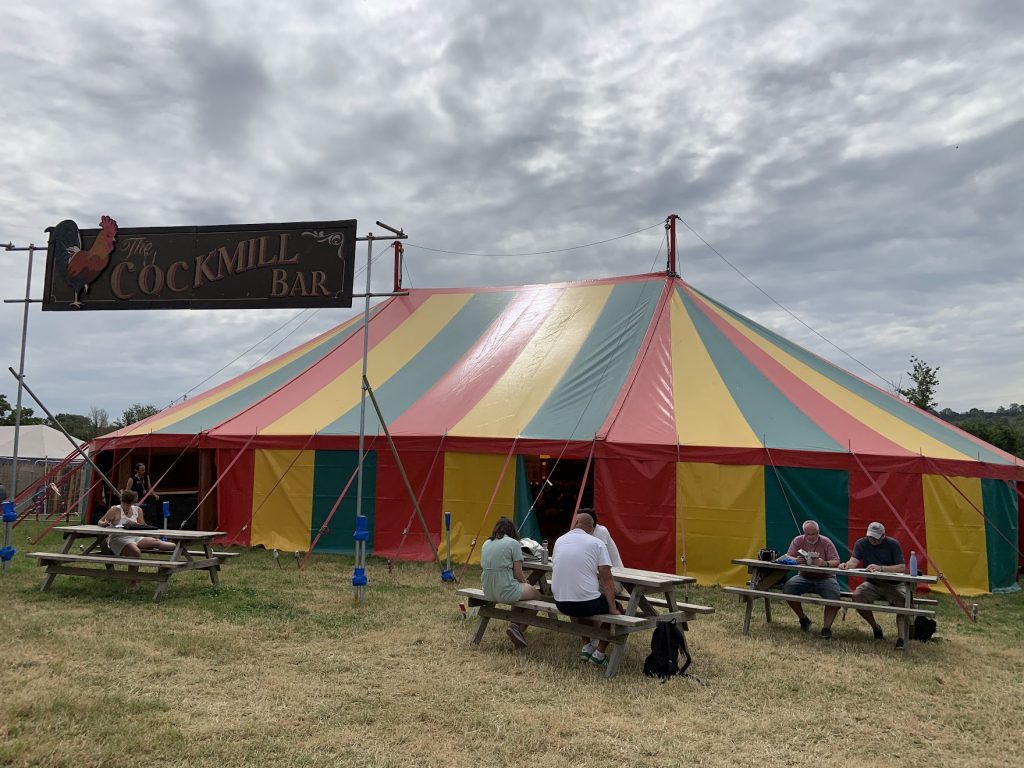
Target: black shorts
{"type": "Point", "coordinates": [583, 609]}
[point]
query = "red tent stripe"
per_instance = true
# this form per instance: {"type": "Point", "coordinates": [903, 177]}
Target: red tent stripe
{"type": "Point", "coordinates": [457, 392]}
{"type": "Point", "coordinates": [323, 372]}
{"type": "Point", "coordinates": [644, 411]}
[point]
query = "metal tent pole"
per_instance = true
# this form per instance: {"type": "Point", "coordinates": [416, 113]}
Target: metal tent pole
{"type": "Point", "coordinates": [362, 532]}
{"type": "Point", "coordinates": [9, 524]}
{"type": "Point", "coordinates": [362, 529]}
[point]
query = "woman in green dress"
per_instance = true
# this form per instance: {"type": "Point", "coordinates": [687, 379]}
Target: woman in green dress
{"type": "Point", "coordinates": [501, 559]}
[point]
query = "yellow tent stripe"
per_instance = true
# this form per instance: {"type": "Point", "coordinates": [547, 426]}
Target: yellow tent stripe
{"type": "Point", "coordinates": [282, 511]}
{"type": "Point", "coordinates": [243, 381]}
{"type": "Point", "coordinates": [890, 426]}
{"type": "Point", "coordinates": [706, 412]}
{"type": "Point", "coordinates": [720, 514]}
{"type": "Point", "coordinates": [522, 389]}
{"type": "Point", "coordinates": [386, 358]}
{"type": "Point", "coordinates": [469, 481]}
{"type": "Point", "coordinates": [955, 532]}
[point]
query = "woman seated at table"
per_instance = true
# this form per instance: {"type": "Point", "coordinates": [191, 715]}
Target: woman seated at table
{"type": "Point", "coordinates": [126, 545]}
{"type": "Point", "coordinates": [501, 559]}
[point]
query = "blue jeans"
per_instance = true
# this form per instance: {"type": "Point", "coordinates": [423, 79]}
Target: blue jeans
{"type": "Point", "coordinates": [799, 584]}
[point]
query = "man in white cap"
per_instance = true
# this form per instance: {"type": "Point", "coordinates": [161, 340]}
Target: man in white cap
{"type": "Point", "coordinates": [878, 552]}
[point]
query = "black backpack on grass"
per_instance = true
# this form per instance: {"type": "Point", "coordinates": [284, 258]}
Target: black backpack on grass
{"type": "Point", "coordinates": [923, 628]}
{"type": "Point", "coordinates": [666, 642]}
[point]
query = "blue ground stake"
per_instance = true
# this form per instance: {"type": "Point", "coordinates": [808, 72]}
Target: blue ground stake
{"type": "Point", "coordinates": [167, 517]}
{"type": "Point", "coordinates": [10, 516]}
{"type": "Point", "coordinates": [361, 536]}
{"type": "Point", "coordinates": [446, 574]}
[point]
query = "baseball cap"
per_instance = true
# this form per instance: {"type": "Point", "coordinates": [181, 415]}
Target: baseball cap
{"type": "Point", "coordinates": [876, 530]}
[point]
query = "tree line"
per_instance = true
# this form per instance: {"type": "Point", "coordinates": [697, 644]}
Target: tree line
{"type": "Point", "coordinates": [84, 427]}
{"type": "Point", "coordinates": [1003, 428]}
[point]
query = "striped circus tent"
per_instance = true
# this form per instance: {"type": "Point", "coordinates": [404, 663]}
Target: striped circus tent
{"type": "Point", "coordinates": [703, 435]}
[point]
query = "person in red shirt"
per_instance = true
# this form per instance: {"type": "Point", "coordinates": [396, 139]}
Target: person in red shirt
{"type": "Point", "coordinates": [822, 552]}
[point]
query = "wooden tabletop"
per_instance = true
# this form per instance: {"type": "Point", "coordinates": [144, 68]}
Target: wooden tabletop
{"type": "Point", "coordinates": [859, 572]}
{"type": "Point", "coordinates": [166, 533]}
{"type": "Point", "coordinates": [629, 575]}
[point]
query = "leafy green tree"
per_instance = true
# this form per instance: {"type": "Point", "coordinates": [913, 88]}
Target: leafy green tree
{"type": "Point", "coordinates": [136, 412]}
{"type": "Point", "coordinates": [1003, 428]}
{"type": "Point", "coordinates": [8, 411]}
{"type": "Point", "coordinates": [926, 381]}
{"type": "Point", "coordinates": [76, 425]}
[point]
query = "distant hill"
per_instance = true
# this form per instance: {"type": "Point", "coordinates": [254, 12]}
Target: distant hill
{"type": "Point", "coordinates": [1004, 427]}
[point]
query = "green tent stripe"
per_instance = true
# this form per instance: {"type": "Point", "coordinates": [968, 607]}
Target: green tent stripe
{"type": "Point", "coordinates": [1001, 520]}
{"type": "Point", "coordinates": [236, 403]}
{"type": "Point", "coordinates": [821, 495]}
{"type": "Point", "coordinates": [423, 370]}
{"type": "Point", "coordinates": [771, 415]}
{"type": "Point", "coordinates": [862, 389]}
{"type": "Point", "coordinates": [583, 398]}
{"type": "Point", "coordinates": [332, 470]}
{"type": "Point", "coordinates": [524, 499]}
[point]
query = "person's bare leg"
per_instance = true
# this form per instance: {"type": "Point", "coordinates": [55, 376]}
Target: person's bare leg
{"type": "Point", "coordinates": [132, 551]}
{"type": "Point", "coordinates": [530, 592]}
{"type": "Point", "coordinates": [831, 611]}
{"type": "Point", "coordinates": [798, 609]}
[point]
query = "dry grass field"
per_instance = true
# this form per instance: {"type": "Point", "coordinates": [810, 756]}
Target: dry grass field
{"type": "Point", "coordinates": [280, 668]}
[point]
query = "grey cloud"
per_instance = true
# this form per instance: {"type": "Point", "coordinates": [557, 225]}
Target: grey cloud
{"type": "Point", "coordinates": [807, 143]}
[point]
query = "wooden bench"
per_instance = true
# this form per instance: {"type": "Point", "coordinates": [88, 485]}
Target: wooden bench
{"type": "Point", "coordinates": [619, 627]}
{"type": "Point", "coordinates": [154, 568]}
{"type": "Point", "coordinates": [108, 561]}
{"type": "Point", "coordinates": [200, 553]}
{"type": "Point", "coordinates": [663, 603]}
{"type": "Point", "coordinates": [476, 599]}
{"type": "Point", "coordinates": [917, 600]}
{"type": "Point", "coordinates": [750, 595]}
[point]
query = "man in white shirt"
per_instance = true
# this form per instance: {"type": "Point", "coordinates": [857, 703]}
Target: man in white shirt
{"type": "Point", "coordinates": [581, 580]}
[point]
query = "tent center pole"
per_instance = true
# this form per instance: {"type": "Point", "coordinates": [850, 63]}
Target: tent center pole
{"type": "Point", "coordinates": [359, 575]}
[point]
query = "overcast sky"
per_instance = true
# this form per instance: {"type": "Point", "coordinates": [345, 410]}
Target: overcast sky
{"type": "Point", "coordinates": [860, 163]}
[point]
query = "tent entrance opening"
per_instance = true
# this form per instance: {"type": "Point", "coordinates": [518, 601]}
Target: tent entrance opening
{"type": "Point", "coordinates": [557, 483]}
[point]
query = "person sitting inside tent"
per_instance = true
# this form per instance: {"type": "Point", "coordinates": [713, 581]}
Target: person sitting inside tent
{"type": "Point", "coordinates": [124, 515]}
{"type": "Point", "coordinates": [820, 551]}
{"type": "Point", "coordinates": [581, 580]}
{"type": "Point", "coordinates": [878, 552]}
{"type": "Point", "coordinates": [501, 559]}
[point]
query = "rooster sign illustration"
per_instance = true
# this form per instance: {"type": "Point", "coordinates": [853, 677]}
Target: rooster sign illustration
{"type": "Point", "coordinates": [80, 267]}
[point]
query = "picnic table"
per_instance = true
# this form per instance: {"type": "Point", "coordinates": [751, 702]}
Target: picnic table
{"type": "Point", "coordinates": [193, 551]}
{"type": "Point", "coordinates": [765, 574]}
{"type": "Point", "coordinates": [651, 597]}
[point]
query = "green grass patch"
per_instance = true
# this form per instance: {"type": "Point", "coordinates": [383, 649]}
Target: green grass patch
{"type": "Point", "coordinates": [280, 667]}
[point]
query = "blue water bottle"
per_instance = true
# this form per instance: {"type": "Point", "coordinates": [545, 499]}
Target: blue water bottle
{"type": "Point", "coordinates": [913, 564]}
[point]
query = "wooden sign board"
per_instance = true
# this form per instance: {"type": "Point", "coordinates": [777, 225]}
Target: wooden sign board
{"type": "Point", "coordinates": [241, 266]}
